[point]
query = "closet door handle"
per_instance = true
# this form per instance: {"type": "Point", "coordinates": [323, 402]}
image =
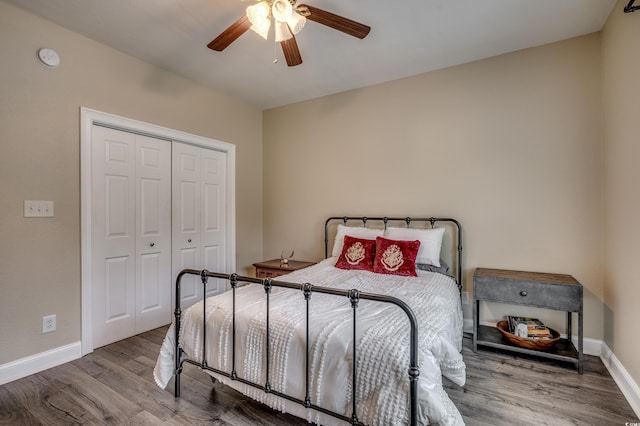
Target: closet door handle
{"type": "Point", "coordinates": [152, 244]}
{"type": "Point", "coordinates": [523, 293]}
{"type": "Point", "coordinates": [189, 240]}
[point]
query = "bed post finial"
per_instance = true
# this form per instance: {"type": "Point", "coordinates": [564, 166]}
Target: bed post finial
{"type": "Point", "coordinates": [306, 290]}
{"type": "Point", "coordinates": [267, 285]}
{"type": "Point", "coordinates": [354, 297]}
{"type": "Point", "coordinates": [233, 280]}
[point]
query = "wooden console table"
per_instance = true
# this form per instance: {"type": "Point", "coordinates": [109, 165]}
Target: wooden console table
{"type": "Point", "coordinates": [548, 291]}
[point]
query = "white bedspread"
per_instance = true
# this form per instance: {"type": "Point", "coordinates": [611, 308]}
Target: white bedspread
{"type": "Point", "coordinates": [382, 351]}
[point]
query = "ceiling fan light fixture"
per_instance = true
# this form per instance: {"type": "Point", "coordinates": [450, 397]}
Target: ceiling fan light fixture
{"type": "Point", "coordinates": [281, 10]}
{"type": "Point", "coordinates": [259, 15]}
{"type": "Point", "coordinates": [296, 22]}
{"type": "Point", "coordinates": [282, 31]}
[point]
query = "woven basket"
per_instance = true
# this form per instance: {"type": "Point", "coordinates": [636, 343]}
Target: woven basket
{"type": "Point", "coordinates": [523, 342]}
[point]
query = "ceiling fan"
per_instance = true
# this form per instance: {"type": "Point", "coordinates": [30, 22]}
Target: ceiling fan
{"type": "Point", "coordinates": [289, 20]}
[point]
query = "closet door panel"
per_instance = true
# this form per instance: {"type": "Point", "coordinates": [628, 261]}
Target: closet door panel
{"type": "Point", "coordinates": [117, 290]}
{"type": "Point", "coordinates": [190, 285]}
{"type": "Point", "coordinates": [153, 228]}
{"type": "Point", "coordinates": [186, 242]}
{"type": "Point", "coordinates": [113, 235]}
{"type": "Point", "coordinates": [151, 283]}
{"type": "Point", "coordinates": [189, 213]}
{"type": "Point", "coordinates": [199, 217]}
{"type": "Point", "coordinates": [186, 167]}
{"type": "Point", "coordinates": [214, 216]}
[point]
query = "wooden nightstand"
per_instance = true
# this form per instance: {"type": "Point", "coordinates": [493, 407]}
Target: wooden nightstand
{"type": "Point", "coordinates": [547, 291]}
{"type": "Point", "coordinates": [274, 268]}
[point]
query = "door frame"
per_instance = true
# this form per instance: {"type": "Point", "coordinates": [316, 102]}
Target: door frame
{"type": "Point", "coordinates": [89, 117]}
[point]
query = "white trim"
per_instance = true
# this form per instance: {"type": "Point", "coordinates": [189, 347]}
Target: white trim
{"type": "Point", "coordinates": [24, 367]}
{"type": "Point", "coordinates": [623, 379]}
{"type": "Point", "coordinates": [467, 325]}
{"type": "Point", "coordinates": [89, 117]}
{"type": "Point", "coordinates": [590, 346]}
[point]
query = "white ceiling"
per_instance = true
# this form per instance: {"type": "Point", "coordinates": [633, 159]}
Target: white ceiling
{"type": "Point", "coordinates": [407, 38]}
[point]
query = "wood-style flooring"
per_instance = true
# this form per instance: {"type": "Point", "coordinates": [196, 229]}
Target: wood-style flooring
{"type": "Point", "coordinates": [114, 386]}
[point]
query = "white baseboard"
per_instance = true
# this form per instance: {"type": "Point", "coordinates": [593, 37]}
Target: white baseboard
{"type": "Point", "coordinates": [590, 346]}
{"type": "Point", "coordinates": [35, 363]}
{"type": "Point", "coordinates": [467, 325]}
{"type": "Point", "coordinates": [623, 379]}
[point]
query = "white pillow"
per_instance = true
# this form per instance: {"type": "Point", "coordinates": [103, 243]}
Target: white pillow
{"type": "Point", "coordinates": [430, 242]}
{"type": "Point", "coordinates": [365, 233]}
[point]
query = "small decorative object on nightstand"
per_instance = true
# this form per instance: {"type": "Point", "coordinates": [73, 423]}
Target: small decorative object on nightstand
{"type": "Point", "coordinates": [275, 268]}
{"type": "Point", "coordinates": [285, 259]}
{"type": "Point", "coordinates": [548, 291]}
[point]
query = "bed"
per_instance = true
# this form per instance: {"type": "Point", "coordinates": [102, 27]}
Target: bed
{"type": "Point", "coordinates": [288, 343]}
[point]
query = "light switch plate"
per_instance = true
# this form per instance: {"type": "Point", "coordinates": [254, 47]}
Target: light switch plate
{"type": "Point", "coordinates": [34, 208]}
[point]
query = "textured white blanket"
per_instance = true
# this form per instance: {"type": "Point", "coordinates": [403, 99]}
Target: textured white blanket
{"type": "Point", "coordinates": [382, 345]}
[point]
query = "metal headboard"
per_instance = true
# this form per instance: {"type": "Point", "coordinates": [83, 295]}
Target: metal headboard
{"type": "Point", "coordinates": [407, 220]}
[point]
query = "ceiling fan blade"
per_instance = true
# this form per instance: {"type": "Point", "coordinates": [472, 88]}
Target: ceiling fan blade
{"type": "Point", "coordinates": [291, 52]}
{"type": "Point", "coordinates": [334, 21]}
{"type": "Point", "coordinates": [229, 35]}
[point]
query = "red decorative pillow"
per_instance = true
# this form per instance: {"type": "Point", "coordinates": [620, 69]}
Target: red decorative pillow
{"type": "Point", "coordinates": [396, 257]}
{"type": "Point", "coordinates": [357, 253]}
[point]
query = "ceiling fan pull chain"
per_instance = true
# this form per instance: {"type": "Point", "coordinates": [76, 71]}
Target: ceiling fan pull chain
{"type": "Point", "coordinates": [275, 53]}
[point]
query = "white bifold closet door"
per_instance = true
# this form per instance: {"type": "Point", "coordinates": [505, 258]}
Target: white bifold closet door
{"type": "Point", "coordinates": [199, 217]}
{"type": "Point", "coordinates": [131, 234]}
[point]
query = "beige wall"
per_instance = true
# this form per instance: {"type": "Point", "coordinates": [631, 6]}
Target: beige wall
{"type": "Point", "coordinates": [40, 159]}
{"type": "Point", "coordinates": [510, 146]}
{"type": "Point", "coordinates": [621, 149]}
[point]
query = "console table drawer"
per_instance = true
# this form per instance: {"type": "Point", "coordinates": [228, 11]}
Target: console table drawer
{"type": "Point", "coordinates": [541, 295]}
{"type": "Point", "coordinates": [274, 268]}
{"type": "Point", "coordinates": [542, 290]}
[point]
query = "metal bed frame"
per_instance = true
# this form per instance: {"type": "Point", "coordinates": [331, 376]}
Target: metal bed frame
{"type": "Point", "coordinates": [307, 290]}
{"type": "Point", "coordinates": [407, 220]}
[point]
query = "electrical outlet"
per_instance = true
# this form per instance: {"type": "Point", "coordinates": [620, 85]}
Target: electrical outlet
{"type": "Point", "coordinates": [48, 324]}
{"type": "Point", "coordinates": [465, 297]}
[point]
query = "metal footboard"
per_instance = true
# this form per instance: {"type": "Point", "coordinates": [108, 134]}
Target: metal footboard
{"type": "Point", "coordinates": [307, 290]}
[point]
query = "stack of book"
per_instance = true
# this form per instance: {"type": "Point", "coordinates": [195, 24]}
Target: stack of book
{"type": "Point", "coordinates": [535, 329]}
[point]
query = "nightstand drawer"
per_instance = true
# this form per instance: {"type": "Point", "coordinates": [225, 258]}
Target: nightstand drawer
{"type": "Point", "coordinates": [269, 273]}
{"type": "Point", "coordinates": [559, 297]}
{"type": "Point", "coordinates": [560, 292]}
{"type": "Point", "coordinates": [274, 268]}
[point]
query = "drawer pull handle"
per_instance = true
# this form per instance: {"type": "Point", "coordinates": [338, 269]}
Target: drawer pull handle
{"type": "Point", "coordinates": [523, 293]}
